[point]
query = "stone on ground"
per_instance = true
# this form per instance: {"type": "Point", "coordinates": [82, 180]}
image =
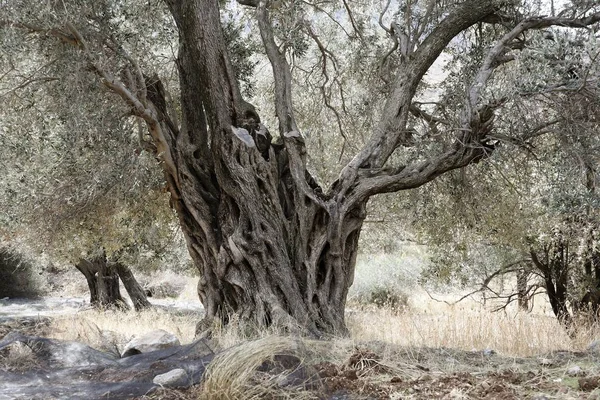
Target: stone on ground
{"type": "Point", "coordinates": [151, 341]}
{"type": "Point", "coordinates": [173, 378]}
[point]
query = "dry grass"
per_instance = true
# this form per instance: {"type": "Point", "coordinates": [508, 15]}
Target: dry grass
{"type": "Point", "coordinates": [467, 326]}
{"type": "Point", "coordinates": [426, 323]}
{"type": "Point", "coordinates": [17, 358]}
{"type": "Point", "coordinates": [232, 374]}
{"type": "Point", "coordinates": [111, 330]}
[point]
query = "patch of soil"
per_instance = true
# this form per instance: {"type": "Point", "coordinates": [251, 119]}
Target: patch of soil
{"type": "Point", "coordinates": [369, 375]}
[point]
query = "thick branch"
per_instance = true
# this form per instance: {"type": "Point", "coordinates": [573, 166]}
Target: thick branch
{"type": "Point", "coordinates": [476, 121]}
{"type": "Point", "coordinates": [147, 113]}
{"type": "Point", "coordinates": [281, 72]}
{"type": "Point", "coordinates": [393, 123]}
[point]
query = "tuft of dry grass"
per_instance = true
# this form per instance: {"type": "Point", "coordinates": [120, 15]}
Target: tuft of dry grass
{"type": "Point", "coordinates": [232, 374]}
{"type": "Point", "coordinates": [17, 358]}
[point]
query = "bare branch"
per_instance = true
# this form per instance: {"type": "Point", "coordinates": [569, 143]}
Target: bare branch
{"type": "Point", "coordinates": [331, 17]}
{"type": "Point", "coordinates": [352, 20]}
{"type": "Point", "coordinates": [326, 54]}
{"type": "Point", "coordinates": [389, 131]}
{"type": "Point", "coordinates": [281, 72]}
{"type": "Point", "coordinates": [380, 20]}
{"type": "Point", "coordinates": [417, 112]}
{"type": "Point", "coordinates": [28, 82]}
{"type": "Point", "coordinates": [80, 41]}
{"type": "Point", "coordinates": [139, 84]}
{"type": "Point", "coordinates": [146, 112]}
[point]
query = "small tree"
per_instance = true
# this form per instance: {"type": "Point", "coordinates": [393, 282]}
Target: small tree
{"type": "Point", "coordinates": [103, 281]}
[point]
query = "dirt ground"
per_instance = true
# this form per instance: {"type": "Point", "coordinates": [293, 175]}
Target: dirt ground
{"type": "Point", "coordinates": [378, 371]}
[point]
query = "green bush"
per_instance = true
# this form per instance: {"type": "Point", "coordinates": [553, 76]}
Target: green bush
{"type": "Point", "coordinates": [18, 277]}
{"type": "Point", "coordinates": [383, 297]}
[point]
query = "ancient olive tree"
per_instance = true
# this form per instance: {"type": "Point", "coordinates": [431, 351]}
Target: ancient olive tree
{"type": "Point", "coordinates": [270, 243]}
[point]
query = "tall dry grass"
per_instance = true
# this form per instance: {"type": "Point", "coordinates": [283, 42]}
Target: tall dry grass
{"type": "Point", "coordinates": [511, 334]}
{"type": "Point", "coordinates": [111, 330]}
{"type": "Point", "coordinates": [426, 323]}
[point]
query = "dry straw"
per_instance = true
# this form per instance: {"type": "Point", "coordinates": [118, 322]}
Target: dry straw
{"type": "Point", "coordinates": [233, 373]}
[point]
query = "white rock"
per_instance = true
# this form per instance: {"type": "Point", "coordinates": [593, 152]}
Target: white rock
{"type": "Point", "coordinates": [546, 362]}
{"type": "Point", "coordinates": [175, 377]}
{"type": "Point", "coordinates": [151, 341]}
{"type": "Point", "coordinates": [574, 370]}
{"type": "Point", "coordinates": [488, 352]}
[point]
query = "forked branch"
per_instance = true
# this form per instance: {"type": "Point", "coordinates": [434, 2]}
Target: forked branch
{"type": "Point", "coordinates": [476, 120]}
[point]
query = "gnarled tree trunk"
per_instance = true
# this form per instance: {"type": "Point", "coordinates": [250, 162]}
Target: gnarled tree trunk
{"type": "Point", "coordinates": [103, 282]}
{"type": "Point", "coordinates": [270, 244]}
{"type": "Point", "coordinates": [135, 291]}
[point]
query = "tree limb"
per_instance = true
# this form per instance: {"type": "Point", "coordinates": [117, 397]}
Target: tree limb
{"type": "Point", "coordinates": [476, 121]}
{"type": "Point", "coordinates": [281, 72]}
{"type": "Point", "coordinates": [391, 127]}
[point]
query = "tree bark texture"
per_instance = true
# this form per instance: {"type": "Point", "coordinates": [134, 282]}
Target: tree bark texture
{"type": "Point", "coordinates": [134, 289]}
{"type": "Point", "coordinates": [523, 298]}
{"type": "Point", "coordinates": [270, 244]}
{"type": "Point", "coordinates": [554, 267]}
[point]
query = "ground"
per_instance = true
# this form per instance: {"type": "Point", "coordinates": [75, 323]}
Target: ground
{"type": "Point", "coordinates": [379, 371]}
{"type": "Point", "coordinates": [349, 369]}
{"type": "Point", "coordinates": [422, 347]}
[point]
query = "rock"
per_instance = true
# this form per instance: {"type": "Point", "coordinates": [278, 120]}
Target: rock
{"type": "Point", "coordinates": [575, 371]}
{"type": "Point", "coordinates": [151, 341]}
{"type": "Point", "coordinates": [488, 352]}
{"type": "Point", "coordinates": [173, 378]}
{"type": "Point", "coordinates": [546, 362]}
{"type": "Point", "coordinates": [60, 354]}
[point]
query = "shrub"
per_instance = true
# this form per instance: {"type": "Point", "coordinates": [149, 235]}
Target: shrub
{"type": "Point", "coordinates": [18, 277]}
{"type": "Point", "coordinates": [389, 297]}
{"type": "Point", "coordinates": [383, 280]}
